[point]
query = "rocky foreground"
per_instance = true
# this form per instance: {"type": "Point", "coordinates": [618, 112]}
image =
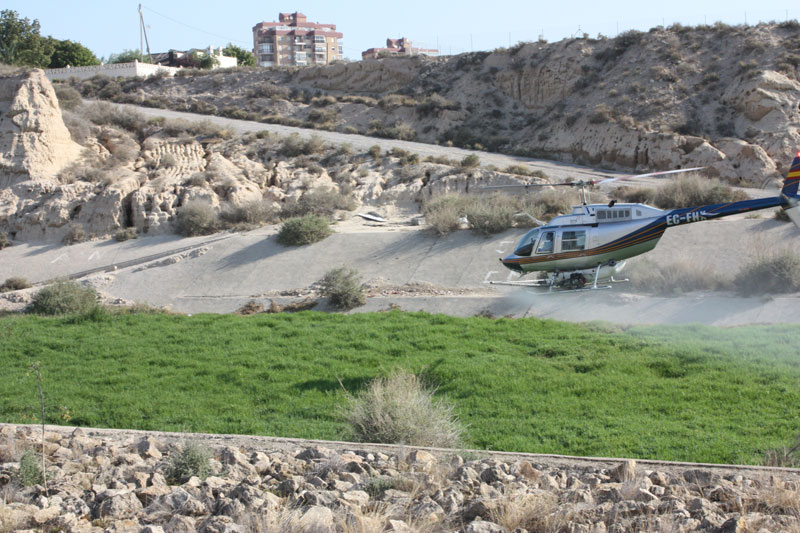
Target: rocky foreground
{"type": "Point", "coordinates": [126, 481]}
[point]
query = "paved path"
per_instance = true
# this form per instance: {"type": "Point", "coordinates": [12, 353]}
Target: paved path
{"type": "Point", "coordinates": [231, 271]}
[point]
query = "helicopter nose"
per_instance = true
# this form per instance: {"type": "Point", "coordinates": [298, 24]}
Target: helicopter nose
{"type": "Point", "coordinates": [511, 262]}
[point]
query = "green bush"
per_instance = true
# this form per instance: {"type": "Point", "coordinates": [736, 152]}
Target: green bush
{"type": "Point", "coordinates": [64, 297]}
{"type": "Point", "coordinates": [304, 230]}
{"type": "Point", "coordinates": [30, 470]}
{"type": "Point", "coordinates": [399, 409]}
{"type": "Point", "coordinates": [196, 218]}
{"type": "Point", "coordinates": [343, 288]}
{"type": "Point", "coordinates": [775, 273]}
{"type": "Point", "coordinates": [4, 242]}
{"type": "Point", "coordinates": [193, 459]}
{"type": "Point", "coordinates": [14, 284]}
{"type": "Point", "coordinates": [125, 234]}
{"type": "Point", "coordinates": [471, 161]}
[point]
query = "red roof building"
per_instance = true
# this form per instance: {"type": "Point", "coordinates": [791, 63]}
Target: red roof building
{"type": "Point", "coordinates": [401, 47]}
{"type": "Point", "coordinates": [295, 41]}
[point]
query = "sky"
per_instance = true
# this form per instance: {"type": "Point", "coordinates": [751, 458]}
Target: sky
{"type": "Point", "coordinates": [111, 26]}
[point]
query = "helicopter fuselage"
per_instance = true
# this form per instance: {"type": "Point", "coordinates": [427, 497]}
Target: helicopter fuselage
{"type": "Point", "coordinates": [599, 234]}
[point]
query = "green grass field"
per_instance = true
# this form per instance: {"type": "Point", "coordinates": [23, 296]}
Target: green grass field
{"type": "Point", "coordinates": [673, 393]}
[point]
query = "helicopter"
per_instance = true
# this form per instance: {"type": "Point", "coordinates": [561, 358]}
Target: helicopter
{"type": "Point", "coordinates": [593, 242]}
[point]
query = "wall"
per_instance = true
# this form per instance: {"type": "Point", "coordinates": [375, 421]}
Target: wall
{"type": "Point", "coordinates": [126, 70]}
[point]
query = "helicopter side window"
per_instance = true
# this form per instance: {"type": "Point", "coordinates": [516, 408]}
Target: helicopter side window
{"type": "Point", "coordinates": [546, 243]}
{"type": "Point", "coordinates": [525, 246]}
{"type": "Point", "coordinates": [573, 240]}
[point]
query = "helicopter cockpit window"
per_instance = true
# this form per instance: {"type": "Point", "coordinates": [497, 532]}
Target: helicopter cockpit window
{"type": "Point", "coordinates": [573, 240]}
{"type": "Point", "coordinates": [525, 246]}
{"type": "Point", "coordinates": [546, 244]}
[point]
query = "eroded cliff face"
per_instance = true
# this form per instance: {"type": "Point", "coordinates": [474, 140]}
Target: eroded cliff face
{"type": "Point", "coordinates": [720, 96]}
{"type": "Point", "coordinates": [34, 143]}
{"type": "Point", "coordinates": [131, 173]}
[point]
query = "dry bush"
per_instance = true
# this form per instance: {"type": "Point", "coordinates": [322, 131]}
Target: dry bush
{"type": "Point", "coordinates": [294, 145]}
{"type": "Point", "coordinates": [79, 128]}
{"type": "Point", "coordinates": [193, 459]}
{"type": "Point", "coordinates": [14, 284]}
{"type": "Point", "coordinates": [492, 215]}
{"type": "Point", "coordinates": [675, 278]}
{"type": "Point", "coordinates": [196, 218]}
{"type": "Point", "coordinates": [323, 202]}
{"type": "Point", "coordinates": [400, 409]}
{"type": "Point", "coordinates": [533, 512]}
{"type": "Point", "coordinates": [68, 97]}
{"type": "Point", "coordinates": [75, 234]}
{"type": "Point", "coordinates": [772, 273]}
{"type": "Point", "coordinates": [444, 213]}
{"type": "Point", "coordinates": [4, 241]}
{"type": "Point", "coordinates": [255, 213]}
{"type": "Point", "coordinates": [343, 288]}
{"type": "Point", "coordinates": [691, 190]}
{"type": "Point", "coordinates": [105, 114]}
{"type": "Point", "coordinates": [304, 230]}
{"type": "Point", "coordinates": [124, 234]}
{"type": "Point", "coordinates": [785, 456]}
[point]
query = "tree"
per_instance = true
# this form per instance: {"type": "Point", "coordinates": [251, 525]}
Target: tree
{"type": "Point", "coordinates": [128, 56]}
{"type": "Point", "coordinates": [69, 53]}
{"type": "Point", "coordinates": [21, 42]}
{"type": "Point", "coordinates": [243, 57]}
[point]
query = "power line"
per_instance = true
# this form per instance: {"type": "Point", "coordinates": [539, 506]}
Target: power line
{"type": "Point", "coordinates": [195, 28]}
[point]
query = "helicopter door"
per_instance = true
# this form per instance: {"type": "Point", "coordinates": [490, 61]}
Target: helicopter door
{"type": "Point", "coordinates": [546, 243]}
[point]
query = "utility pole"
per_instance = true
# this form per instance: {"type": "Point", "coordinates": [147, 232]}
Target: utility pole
{"type": "Point", "coordinates": [141, 34]}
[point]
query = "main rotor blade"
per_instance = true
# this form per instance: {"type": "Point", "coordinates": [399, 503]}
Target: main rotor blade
{"type": "Point", "coordinates": [661, 173]}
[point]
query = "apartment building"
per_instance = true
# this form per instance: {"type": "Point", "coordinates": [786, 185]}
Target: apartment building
{"type": "Point", "coordinates": [295, 41]}
{"type": "Point", "coordinates": [401, 47]}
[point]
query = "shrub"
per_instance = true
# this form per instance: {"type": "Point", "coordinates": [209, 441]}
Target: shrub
{"type": "Point", "coordinates": [692, 189]}
{"type": "Point", "coordinates": [64, 297]}
{"type": "Point", "coordinates": [304, 230]}
{"type": "Point", "coordinates": [125, 234]}
{"type": "Point", "coordinates": [30, 471]}
{"type": "Point", "coordinates": [471, 161]}
{"type": "Point", "coordinates": [294, 145]}
{"type": "Point", "coordinates": [493, 215]}
{"type": "Point", "coordinates": [4, 242]}
{"type": "Point", "coordinates": [324, 202]}
{"type": "Point", "coordinates": [68, 97]}
{"type": "Point", "coordinates": [675, 277]}
{"type": "Point", "coordinates": [193, 459]}
{"type": "Point", "coordinates": [253, 213]}
{"type": "Point", "coordinates": [444, 214]}
{"type": "Point", "coordinates": [778, 272]}
{"type": "Point", "coordinates": [399, 409]}
{"type": "Point", "coordinates": [375, 151]}
{"type": "Point", "coordinates": [14, 284]}
{"type": "Point", "coordinates": [196, 218]}
{"type": "Point", "coordinates": [75, 234]}
{"type": "Point", "coordinates": [343, 288]}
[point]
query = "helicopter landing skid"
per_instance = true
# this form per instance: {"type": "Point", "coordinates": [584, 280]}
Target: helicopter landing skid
{"type": "Point", "coordinates": [545, 284]}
